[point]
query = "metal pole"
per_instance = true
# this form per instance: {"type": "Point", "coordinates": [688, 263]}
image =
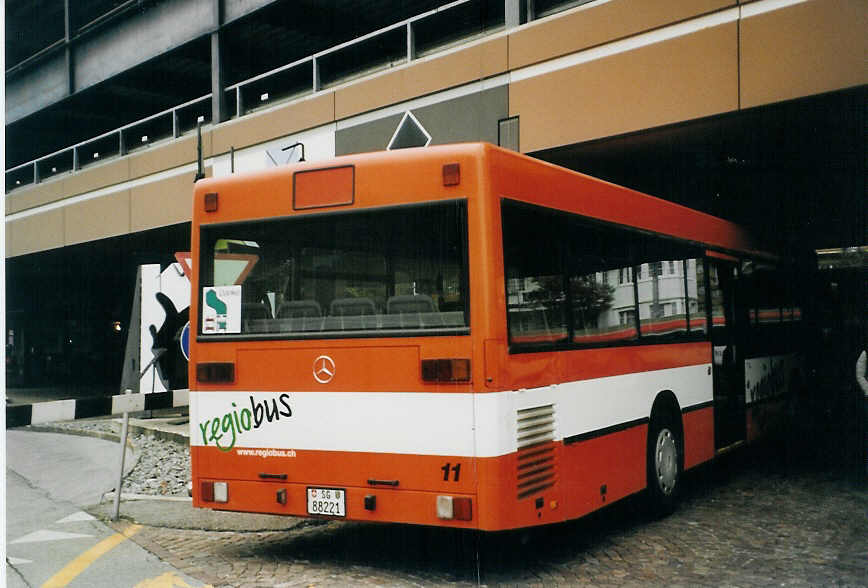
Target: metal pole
{"type": "Point", "coordinates": [117, 506]}
{"type": "Point", "coordinates": [200, 167]}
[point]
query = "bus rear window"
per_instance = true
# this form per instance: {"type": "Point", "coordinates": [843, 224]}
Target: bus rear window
{"type": "Point", "coordinates": [385, 272]}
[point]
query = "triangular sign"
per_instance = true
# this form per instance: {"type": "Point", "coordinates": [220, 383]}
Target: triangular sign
{"type": "Point", "coordinates": [410, 133]}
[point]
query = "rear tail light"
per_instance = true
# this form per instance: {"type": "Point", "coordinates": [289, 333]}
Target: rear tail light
{"type": "Point", "coordinates": [446, 370]}
{"type": "Point", "coordinates": [454, 508]}
{"type": "Point", "coordinates": [214, 491]}
{"type": "Point", "coordinates": [215, 373]}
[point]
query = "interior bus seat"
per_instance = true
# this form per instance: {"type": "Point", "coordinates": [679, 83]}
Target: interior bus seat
{"type": "Point", "coordinates": [352, 307]}
{"type": "Point", "coordinates": [300, 315]}
{"type": "Point", "coordinates": [353, 313]}
{"type": "Point", "coordinates": [409, 303]}
{"type": "Point", "coordinates": [299, 309]}
{"type": "Point", "coordinates": [411, 308]}
{"type": "Point", "coordinates": [256, 317]}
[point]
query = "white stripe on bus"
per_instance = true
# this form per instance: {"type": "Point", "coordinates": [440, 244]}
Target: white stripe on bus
{"type": "Point", "coordinates": [431, 423]}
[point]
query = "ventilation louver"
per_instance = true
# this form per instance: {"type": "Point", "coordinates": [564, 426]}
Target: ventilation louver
{"type": "Point", "coordinates": [536, 449]}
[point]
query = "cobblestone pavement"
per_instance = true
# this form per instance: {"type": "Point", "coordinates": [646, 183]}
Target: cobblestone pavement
{"type": "Point", "coordinates": [753, 519]}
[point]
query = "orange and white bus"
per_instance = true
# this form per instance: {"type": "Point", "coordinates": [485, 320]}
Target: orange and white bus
{"type": "Point", "coordinates": [465, 336]}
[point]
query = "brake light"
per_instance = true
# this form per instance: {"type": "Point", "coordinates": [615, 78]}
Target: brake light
{"type": "Point", "coordinates": [214, 491]}
{"type": "Point", "coordinates": [215, 372]}
{"type": "Point", "coordinates": [211, 202]}
{"type": "Point", "coordinates": [446, 370]}
{"type": "Point", "coordinates": [458, 508]}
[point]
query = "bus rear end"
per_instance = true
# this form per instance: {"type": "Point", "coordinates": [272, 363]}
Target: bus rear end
{"type": "Point", "coordinates": [332, 363]}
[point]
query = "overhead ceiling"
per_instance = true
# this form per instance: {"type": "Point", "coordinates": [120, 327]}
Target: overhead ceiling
{"type": "Point", "coordinates": [794, 172]}
{"type": "Point", "coordinates": [277, 34]}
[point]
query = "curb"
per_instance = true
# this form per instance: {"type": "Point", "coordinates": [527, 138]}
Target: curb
{"type": "Point", "coordinates": [179, 438]}
{"type": "Point", "coordinates": [105, 436]}
{"type": "Point", "coordinates": [126, 497]}
{"type": "Point", "coordinates": [132, 429]}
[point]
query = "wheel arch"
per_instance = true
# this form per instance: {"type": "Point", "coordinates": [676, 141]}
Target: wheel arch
{"type": "Point", "coordinates": [665, 412]}
{"type": "Point", "coordinates": [665, 403]}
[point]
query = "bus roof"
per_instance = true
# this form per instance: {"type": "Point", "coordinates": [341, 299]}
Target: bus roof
{"type": "Point", "coordinates": [408, 175]}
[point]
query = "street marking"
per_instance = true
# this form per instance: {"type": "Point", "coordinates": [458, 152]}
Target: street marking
{"type": "Point", "coordinates": [81, 563]}
{"type": "Point", "coordinates": [46, 535]}
{"type": "Point", "coordinates": [76, 517]}
{"type": "Point", "coordinates": [167, 580]}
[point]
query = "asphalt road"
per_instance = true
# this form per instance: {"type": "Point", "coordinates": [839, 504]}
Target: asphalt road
{"type": "Point", "coordinates": [50, 539]}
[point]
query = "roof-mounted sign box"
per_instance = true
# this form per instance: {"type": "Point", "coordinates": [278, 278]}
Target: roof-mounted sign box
{"type": "Point", "coordinates": [319, 188]}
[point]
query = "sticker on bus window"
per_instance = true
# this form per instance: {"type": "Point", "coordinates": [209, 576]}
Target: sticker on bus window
{"type": "Point", "coordinates": [221, 309]}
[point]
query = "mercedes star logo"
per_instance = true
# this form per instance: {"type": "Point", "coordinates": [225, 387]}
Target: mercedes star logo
{"type": "Point", "coordinates": [323, 369]}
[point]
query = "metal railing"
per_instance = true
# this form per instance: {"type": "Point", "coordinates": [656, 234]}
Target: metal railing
{"type": "Point", "coordinates": [168, 124]}
{"type": "Point", "coordinates": [454, 23]}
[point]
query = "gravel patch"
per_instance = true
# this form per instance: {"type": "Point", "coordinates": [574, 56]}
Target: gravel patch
{"type": "Point", "coordinates": [163, 468]}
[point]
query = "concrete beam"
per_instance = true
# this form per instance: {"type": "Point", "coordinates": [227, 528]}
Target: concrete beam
{"type": "Point", "coordinates": [37, 88]}
{"type": "Point", "coordinates": [109, 51]}
{"type": "Point", "coordinates": [235, 9]}
{"type": "Point", "coordinates": [142, 37]}
{"type": "Point", "coordinates": [89, 60]}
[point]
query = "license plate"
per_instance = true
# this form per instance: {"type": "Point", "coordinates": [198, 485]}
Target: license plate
{"type": "Point", "coordinates": [327, 501]}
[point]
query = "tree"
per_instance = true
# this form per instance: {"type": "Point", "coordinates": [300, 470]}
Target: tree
{"type": "Point", "coordinates": [590, 299]}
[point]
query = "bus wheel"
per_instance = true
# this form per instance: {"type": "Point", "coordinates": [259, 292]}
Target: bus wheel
{"type": "Point", "coordinates": [664, 463]}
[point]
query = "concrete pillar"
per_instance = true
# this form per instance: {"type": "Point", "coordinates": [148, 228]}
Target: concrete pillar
{"type": "Point", "coordinates": [411, 42]}
{"type": "Point", "coordinates": [518, 12]}
{"type": "Point", "coordinates": [512, 10]}
{"type": "Point", "coordinates": [219, 111]}
{"type": "Point", "coordinates": [70, 64]}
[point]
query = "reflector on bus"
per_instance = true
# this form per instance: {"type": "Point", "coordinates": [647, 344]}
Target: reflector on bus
{"type": "Point", "coordinates": [446, 370]}
{"type": "Point", "coordinates": [451, 174]}
{"type": "Point", "coordinates": [457, 508]}
{"type": "Point", "coordinates": [215, 372]}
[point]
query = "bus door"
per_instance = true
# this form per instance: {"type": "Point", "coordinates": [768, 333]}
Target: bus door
{"type": "Point", "coordinates": [727, 362]}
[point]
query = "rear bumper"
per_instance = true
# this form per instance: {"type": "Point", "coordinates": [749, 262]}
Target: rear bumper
{"type": "Point", "coordinates": [391, 504]}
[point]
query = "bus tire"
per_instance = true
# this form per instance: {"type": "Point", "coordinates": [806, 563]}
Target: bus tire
{"type": "Point", "coordinates": [664, 465]}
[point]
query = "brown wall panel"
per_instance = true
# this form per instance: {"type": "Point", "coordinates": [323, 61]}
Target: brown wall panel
{"type": "Point", "coordinates": [257, 128]}
{"type": "Point", "coordinates": [97, 218]}
{"type": "Point", "coordinates": [33, 233]}
{"type": "Point", "coordinates": [158, 159]}
{"type": "Point", "coordinates": [423, 77]}
{"type": "Point", "coordinates": [37, 195]}
{"type": "Point", "coordinates": [96, 177]}
{"type": "Point", "coordinates": [598, 23]}
{"type": "Point", "coordinates": [167, 156]}
{"type": "Point", "coordinates": [161, 203]}
{"type": "Point", "coordinates": [804, 49]}
{"type": "Point", "coordinates": [679, 79]}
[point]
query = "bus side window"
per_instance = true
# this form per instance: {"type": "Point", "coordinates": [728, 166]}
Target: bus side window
{"type": "Point", "coordinates": [536, 297]}
{"type": "Point", "coordinates": [602, 293]}
{"type": "Point", "coordinates": [695, 288]}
